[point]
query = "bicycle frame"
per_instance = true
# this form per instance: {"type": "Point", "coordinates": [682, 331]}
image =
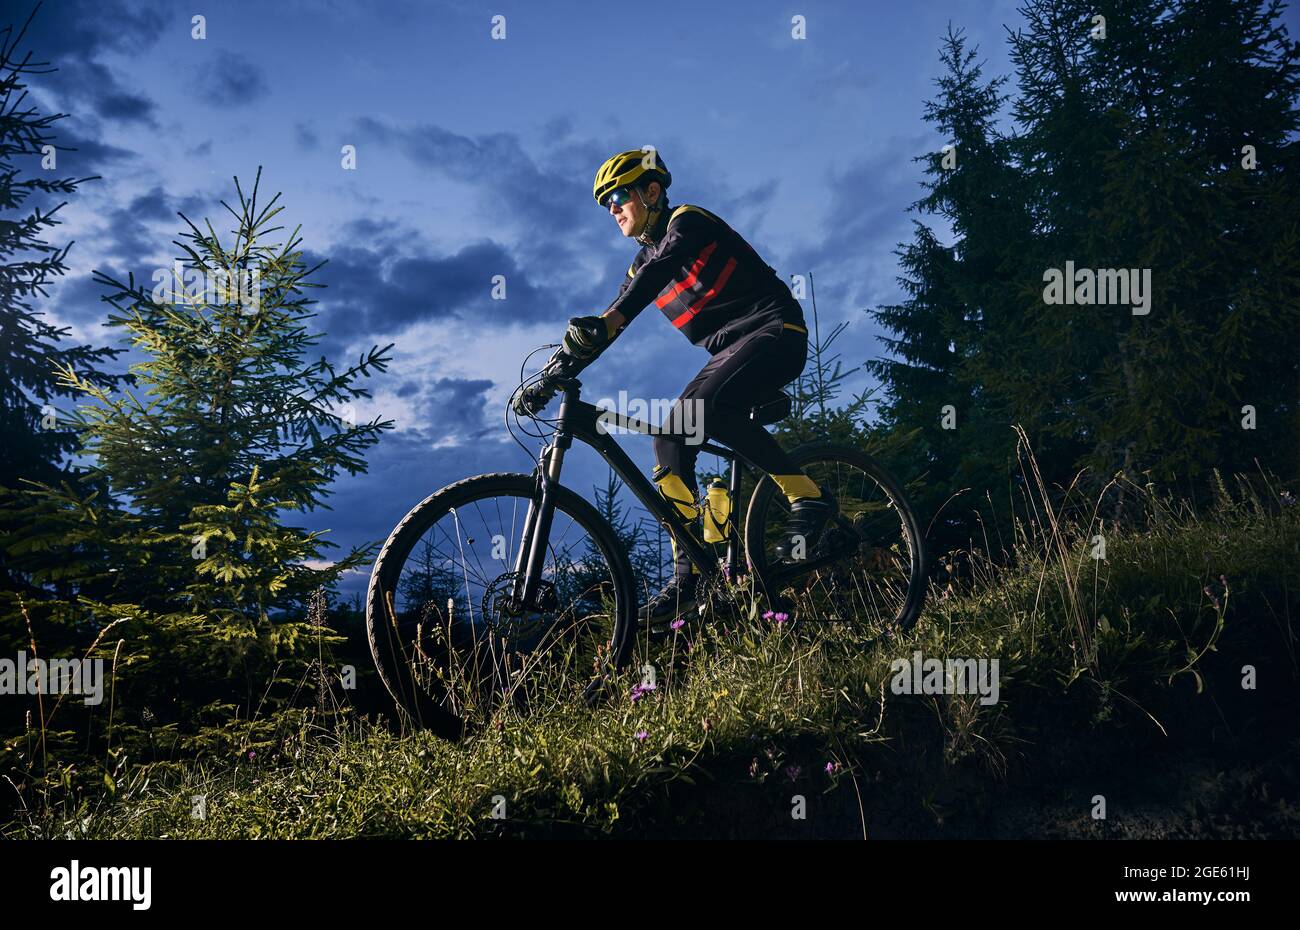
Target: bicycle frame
{"type": "Point", "coordinates": [581, 420]}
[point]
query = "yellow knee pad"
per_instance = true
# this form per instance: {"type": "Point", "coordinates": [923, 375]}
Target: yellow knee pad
{"type": "Point", "coordinates": [674, 489]}
{"type": "Point", "coordinates": [797, 486]}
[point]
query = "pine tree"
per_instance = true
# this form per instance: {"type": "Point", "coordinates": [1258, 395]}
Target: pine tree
{"type": "Point", "coordinates": [1134, 150]}
{"type": "Point", "coordinates": [36, 443]}
{"type": "Point", "coordinates": [960, 316]}
{"type": "Point", "coordinates": [1130, 152]}
{"type": "Point", "coordinates": [232, 433]}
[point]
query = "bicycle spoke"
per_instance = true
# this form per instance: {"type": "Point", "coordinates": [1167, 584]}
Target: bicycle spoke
{"type": "Point", "coordinates": [871, 583]}
{"type": "Point", "coordinates": [488, 648]}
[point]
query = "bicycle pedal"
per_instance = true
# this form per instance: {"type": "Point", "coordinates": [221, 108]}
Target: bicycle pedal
{"type": "Point", "coordinates": [665, 629]}
{"type": "Point", "coordinates": [661, 632]}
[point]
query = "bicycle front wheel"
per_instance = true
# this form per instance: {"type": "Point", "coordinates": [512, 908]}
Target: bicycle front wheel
{"type": "Point", "coordinates": [870, 559]}
{"type": "Point", "coordinates": [449, 641]}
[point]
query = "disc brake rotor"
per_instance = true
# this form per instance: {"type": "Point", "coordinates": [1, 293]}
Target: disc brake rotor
{"type": "Point", "coordinates": [511, 620]}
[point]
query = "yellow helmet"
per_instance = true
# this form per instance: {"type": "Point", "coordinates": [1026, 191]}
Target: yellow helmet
{"type": "Point", "coordinates": [627, 168]}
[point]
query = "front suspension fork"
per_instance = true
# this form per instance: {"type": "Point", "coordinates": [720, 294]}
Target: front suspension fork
{"type": "Point", "coordinates": [536, 536]}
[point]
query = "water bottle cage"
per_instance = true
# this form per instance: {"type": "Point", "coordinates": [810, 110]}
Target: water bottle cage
{"type": "Point", "coordinates": [715, 531]}
{"type": "Point", "coordinates": [675, 491]}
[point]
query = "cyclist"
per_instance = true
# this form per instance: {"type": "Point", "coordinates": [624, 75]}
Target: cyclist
{"type": "Point", "coordinates": [711, 284]}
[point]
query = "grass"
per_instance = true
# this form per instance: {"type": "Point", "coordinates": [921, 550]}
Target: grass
{"type": "Point", "coordinates": [1119, 676]}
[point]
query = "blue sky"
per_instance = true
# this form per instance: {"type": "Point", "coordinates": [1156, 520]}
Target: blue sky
{"type": "Point", "coordinates": [475, 158]}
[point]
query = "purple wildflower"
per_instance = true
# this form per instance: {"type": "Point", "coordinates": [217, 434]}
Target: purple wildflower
{"type": "Point", "coordinates": [641, 734]}
{"type": "Point", "coordinates": [768, 615]}
{"type": "Point", "coordinates": [781, 617]}
{"type": "Point", "coordinates": [678, 623]}
{"type": "Point", "coordinates": [832, 768]}
{"type": "Point", "coordinates": [792, 772]}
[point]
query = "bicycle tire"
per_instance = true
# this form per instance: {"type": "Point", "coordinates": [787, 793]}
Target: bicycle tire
{"type": "Point", "coordinates": [415, 702]}
{"type": "Point", "coordinates": [756, 532]}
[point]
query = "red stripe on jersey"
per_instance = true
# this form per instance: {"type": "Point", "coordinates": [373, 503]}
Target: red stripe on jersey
{"type": "Point", "coordinates": [691, 277]}
{"type": "Point", "coordinates": [711, 293]}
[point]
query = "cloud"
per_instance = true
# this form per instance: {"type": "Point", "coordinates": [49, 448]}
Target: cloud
{"type": "Point", "coordinates": [77, 299]}
{"type": "Point", "coordinates": [305, 137]}
{"type": "Point", "coordinates": [85, 156]}
{"type": "Point", "coordinates": [131, 235]}
{"type": "Point", "coordinates": [151, 205]}
{"type": "Point", "coordinates": [557, 129]}
{"type": "Point", "coordinates": [371, 290]}
{"type": "Point", "coordinates": [230, 80]}
{"type": "Point", "coordinates": [69, 37]}
{"type": "Point", "coordinates": [96, 85]}
{"type": "Point", "coordinates": [457, 406]}
{"type": "Point", "coordinates": [549, 198]}
{"type": "Point", "coordinates": [855, 252]}
{"type": "Point", "coordinates": [144, 226]}
{"type": "Point", "coordinates": [746, 210]}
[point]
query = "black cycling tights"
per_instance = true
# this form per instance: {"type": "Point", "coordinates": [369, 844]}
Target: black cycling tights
{"type": "Point", "coordinates": [724, 392]}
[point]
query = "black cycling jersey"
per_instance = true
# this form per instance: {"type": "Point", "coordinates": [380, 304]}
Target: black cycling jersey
{"type": "Point", "coordinates": [707, 280]}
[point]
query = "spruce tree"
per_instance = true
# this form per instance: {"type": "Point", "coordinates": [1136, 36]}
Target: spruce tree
{"type": "Point", "coordinates": [37, 442]}
{"type": "Point", "coordinates": [232, 434]}
{"type": "Point", "coordinates": [1163, 143]}
{"type": "Point", "coordinates": [961, 307]}
{"type": "Point", "coordinates": [1153, 136]}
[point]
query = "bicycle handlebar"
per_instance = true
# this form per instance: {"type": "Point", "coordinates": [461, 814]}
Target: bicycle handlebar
{"type": "Point", "coordinates": [560, 366]}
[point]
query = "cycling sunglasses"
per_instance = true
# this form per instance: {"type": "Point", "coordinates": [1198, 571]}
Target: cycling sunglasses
{"type": "Point", "coordinates": [617, 197]}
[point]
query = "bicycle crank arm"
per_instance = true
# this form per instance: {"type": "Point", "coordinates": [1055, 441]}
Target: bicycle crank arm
{"type": "Point", "coordinates": [787, 571]}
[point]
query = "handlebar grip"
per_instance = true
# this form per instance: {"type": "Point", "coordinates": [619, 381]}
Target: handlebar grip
{"type": "Point", "coordinates": [537, 395]}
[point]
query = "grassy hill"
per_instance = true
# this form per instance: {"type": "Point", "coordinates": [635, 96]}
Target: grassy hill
{"type": "Point", "coordinates": [1119, 678]}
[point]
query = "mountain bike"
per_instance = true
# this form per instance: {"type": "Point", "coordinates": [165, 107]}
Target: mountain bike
{"type": "Point", "coordinates": [481, 593]}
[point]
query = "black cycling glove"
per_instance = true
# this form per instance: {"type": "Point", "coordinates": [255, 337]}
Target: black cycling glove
{"type": "Point", "coordinates": [586, 337]}
{"type": "Point", "coordinates": [538, 394]}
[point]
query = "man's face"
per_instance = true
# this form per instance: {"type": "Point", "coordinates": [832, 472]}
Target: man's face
{"type": "Point", "coordinates": [631, 215]}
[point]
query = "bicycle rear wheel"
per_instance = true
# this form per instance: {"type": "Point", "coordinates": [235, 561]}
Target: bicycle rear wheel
{"type": "Point", "coordinates": [871, 557]}
{"type": "Point", "coordinates": [449, 643]}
